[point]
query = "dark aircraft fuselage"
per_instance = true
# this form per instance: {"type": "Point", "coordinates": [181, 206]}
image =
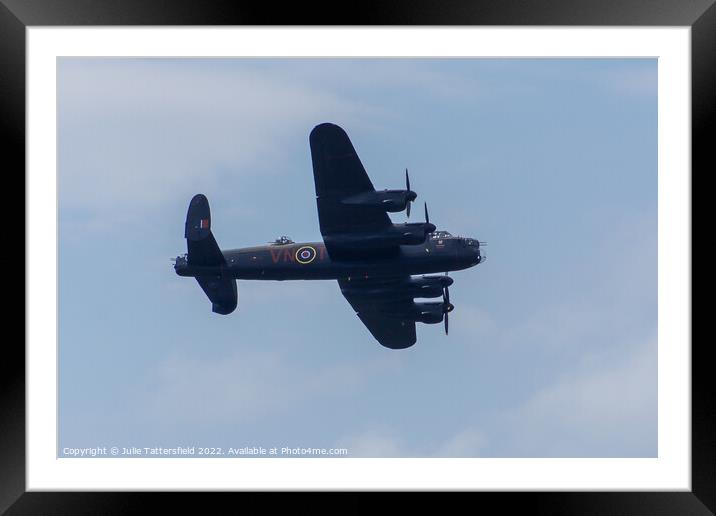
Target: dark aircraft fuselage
{"type": "Point", "coordinates": [311, 261]}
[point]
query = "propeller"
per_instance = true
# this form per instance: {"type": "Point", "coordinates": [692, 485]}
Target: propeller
{"type": "Point", "coordinates": [429, 228]}
{"type": "Point", "coordinates": [447, 307]}
{"type": "Point", "coordinates": [411, 195]}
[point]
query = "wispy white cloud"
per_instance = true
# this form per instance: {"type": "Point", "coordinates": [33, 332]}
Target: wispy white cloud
{"type": "Point", "coordinates": [378, 441]}
{"type": "Point", "coordinates": [247, 386]}
{"type": "Point", "coordinates": [604, 407]}
{"type": "Point", "coordinates": [607, 409]}
{"type": "Point", "coordinates": [636, 82]}
{"type": "Point", "coordinates": [383, 440]}
{"type": "Point", "coordinates": [137, 133]}
{"type": "Point", "coordinates": [603, 399]}
{"type": "Point", "coordinates": [469, 442]}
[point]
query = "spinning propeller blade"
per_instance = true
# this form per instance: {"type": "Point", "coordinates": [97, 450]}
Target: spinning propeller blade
{"type": "Point", "coordinates": [407, 187]}
{"type": "Point", "coordinates": [447, 307]}
{"type": "Point", "coordinates": [429, 228]}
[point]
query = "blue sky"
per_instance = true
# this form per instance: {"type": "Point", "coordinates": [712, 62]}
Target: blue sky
{"type": "Point", "coordinates": [553, 342]}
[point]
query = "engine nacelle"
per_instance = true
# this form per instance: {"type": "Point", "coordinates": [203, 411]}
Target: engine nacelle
{"type": "Point", "coordinates": [429, 286]}
{"type": "Point", "coordinates": [429, 313]}
{"type": "Point", "coordinates": [395, 235]}
{"type": "Point", "coordinates": [388, 200]}
{"type": "Point", "coordinates": [420, 287]}
{"type": "Point", "coordinates": [411, 233]}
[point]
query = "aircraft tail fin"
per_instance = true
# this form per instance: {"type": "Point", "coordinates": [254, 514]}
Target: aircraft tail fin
{"type": "Point", "coordinates": [202, 246]}
{"type": "Point", "coordinates": [203, 251]}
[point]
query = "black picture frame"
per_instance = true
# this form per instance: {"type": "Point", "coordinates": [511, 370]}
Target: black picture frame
{"type": "Point", "coordinates": [17, 15]}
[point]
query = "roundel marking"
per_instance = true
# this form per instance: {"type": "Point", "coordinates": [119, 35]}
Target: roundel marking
{"type": "Point", "coordinates": [305, 254]}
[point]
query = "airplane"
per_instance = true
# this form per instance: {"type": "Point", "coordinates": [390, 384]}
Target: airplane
{"type": "Point", "coordinates": [381, 267]}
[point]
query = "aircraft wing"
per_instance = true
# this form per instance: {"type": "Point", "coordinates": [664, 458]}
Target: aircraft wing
{"type": "Point", "coordinates": [373, 309]}
{"type": "Point", "coordinates": [338, 174]}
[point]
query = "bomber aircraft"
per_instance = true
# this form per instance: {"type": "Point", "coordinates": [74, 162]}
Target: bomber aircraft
{"type": "Point", "coordinates": [381, 267]}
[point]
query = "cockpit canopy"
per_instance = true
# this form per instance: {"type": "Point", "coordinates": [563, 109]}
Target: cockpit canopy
{"type": "Point", "coordinates": [283, 240]}
{"type": "Point", "coordinates": [465, 241]}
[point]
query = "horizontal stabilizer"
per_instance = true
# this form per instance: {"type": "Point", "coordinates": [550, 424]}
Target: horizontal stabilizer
{"type": "Point", "coordinates": [221, 292]}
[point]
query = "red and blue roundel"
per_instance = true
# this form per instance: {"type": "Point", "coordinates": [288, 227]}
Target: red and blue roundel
{"type": "Point", "coordinates": [305, 254]}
